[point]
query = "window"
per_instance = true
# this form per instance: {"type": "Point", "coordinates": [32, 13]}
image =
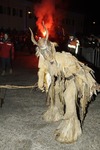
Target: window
{"type": "Point", "coordinates": [14, 12]}
{"type": "Point", "coordinates": [20, 13]}
{"type": "Point", "coordinates": [8, 10]}
{"type": "Point", "coordinates": [73, 22]}
{"type": "Point", "coordinates": [1, 9]}
{"type": "Point", "coordinates": [66, 21]}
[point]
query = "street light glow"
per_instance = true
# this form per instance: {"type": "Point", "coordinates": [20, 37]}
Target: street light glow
{"type": "Point", "coordinates": [93, 22]}
{"type": "Point", "coordinates": [29, 12]}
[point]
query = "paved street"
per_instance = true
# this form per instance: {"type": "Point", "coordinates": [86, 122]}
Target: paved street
{"type": "Point", "coordinates": [21, 123]}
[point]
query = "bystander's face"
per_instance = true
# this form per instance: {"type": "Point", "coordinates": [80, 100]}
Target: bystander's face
{"type": "Point", "coordinates": [71, 37]}
{"type": "Point", "coordinates": [5, 36]}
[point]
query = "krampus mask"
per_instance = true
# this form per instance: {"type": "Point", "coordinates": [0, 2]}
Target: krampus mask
{"type": "Point", "coordinates": [44, 46]}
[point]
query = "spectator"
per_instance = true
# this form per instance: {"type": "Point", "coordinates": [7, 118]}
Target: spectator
{"type": "Point", "coordinates": [1, 36]}
{"type": "Point", "coordinates": [73, 45]}
{"type": "Point", "coordinates": [6, 54]}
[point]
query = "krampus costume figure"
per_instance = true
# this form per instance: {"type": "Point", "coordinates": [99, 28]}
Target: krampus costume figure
{"type": "Point", "coordinates": [69, 85]}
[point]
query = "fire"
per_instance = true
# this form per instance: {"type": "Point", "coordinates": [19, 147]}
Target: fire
{"type": "Point", "coordinates": [44, 33]}
{"type": "Point", "coordinates": [41, 29]}
{"type": "Point", "coordinates": [48, 11]}
{"type": "Point", "coordinates": [41, 32]}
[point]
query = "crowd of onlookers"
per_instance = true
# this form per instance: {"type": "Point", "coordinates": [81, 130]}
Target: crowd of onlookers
{"type": "Point", "coordinates": [90, 41]}
{"type": "Point", "coordinates": [71, 43]}
{"type": "Point", "coordinates": [22, 40]}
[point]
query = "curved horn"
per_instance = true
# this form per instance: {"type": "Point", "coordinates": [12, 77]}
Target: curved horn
{"type": "Point", "coordinates": [47, 34]}
{"type": "Point", "coordinates": [32, 37]}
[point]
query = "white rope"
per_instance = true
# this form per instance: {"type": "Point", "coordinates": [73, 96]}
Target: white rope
{"type": "Point", "coordinates": [18, 86]}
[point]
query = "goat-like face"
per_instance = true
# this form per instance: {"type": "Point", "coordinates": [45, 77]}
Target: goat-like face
{"type": "Point", "coordinates": [42, 43]}
{"type": "Point", "coordinates": [44, 46]}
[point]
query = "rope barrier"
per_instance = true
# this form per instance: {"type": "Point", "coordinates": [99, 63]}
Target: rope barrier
{"type": "Point", "coordinates": [18, 86]}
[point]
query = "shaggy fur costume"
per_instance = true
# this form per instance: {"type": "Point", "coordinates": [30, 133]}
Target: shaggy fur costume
{"type": "Point", "coordinates": [69, 85]}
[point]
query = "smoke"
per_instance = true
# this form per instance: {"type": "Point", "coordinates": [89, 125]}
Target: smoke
{"type": "Point", "coordinates": [49, 11]}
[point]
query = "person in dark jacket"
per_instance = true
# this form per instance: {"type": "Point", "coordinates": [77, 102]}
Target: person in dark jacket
{"type": "Point", "coordinates": [6, 54]}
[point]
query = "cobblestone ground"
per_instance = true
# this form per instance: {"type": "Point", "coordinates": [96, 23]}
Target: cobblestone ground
{"type": "Point", "coordinates": [21, 123]}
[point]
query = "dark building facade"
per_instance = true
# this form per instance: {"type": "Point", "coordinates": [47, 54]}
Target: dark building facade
{"type": "Point", "coordinates": [19, 15]}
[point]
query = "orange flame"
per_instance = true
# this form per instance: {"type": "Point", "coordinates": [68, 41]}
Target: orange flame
{"type": "Point", "coordinates": [41, 29]}
{"type": "Point", "coordinates": [44, 33]}
{"type": "Point", "coordinates": [49, 11]}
